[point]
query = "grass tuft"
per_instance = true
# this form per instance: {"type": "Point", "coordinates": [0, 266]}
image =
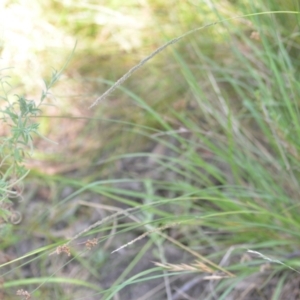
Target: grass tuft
{"type": "Point", "coordinates": [195, 158]}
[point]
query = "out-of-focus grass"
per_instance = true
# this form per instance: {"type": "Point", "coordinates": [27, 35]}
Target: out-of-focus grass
{"type": "Point", "coordinates": [111, 37]}
{"type": "Point", "coordinates": [203, 139]}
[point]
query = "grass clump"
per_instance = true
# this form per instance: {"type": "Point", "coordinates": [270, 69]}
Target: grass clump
{"type": "Point", "coordinates": [241, 160]}
{"type": "Point", "coordinates": [206, 207]}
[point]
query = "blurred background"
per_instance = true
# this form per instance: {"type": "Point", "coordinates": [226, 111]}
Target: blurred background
{"type": "Point", "coordinates": [109, 39]}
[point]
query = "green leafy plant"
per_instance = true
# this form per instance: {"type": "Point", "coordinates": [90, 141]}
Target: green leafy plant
{"type": "Point", "coordinates": [18, 116]}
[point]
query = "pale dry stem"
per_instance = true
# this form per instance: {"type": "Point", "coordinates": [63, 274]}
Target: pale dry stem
{"type": "Point", "coordinates": [143, 61]}
{"type": "Point", "coordinates": [146, 234]}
